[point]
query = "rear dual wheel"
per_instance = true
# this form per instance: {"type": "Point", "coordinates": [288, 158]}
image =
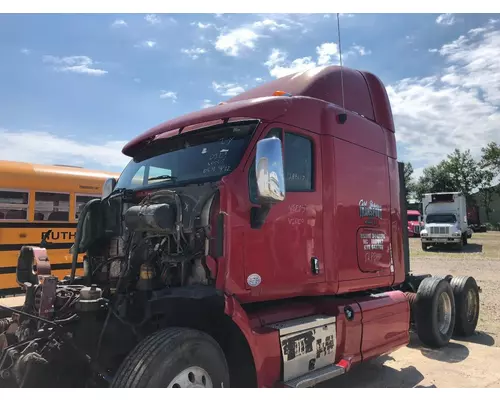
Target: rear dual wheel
{"type": "Point", "coordinates": [466, 293]}
{"type": "Point", "coordinates": [435, 312]}
{"type": "Point", "coordinates": [446, 306]}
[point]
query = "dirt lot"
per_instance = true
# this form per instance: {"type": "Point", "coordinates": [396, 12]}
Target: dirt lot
{"type": "Point", "coordinates": [474, 362]}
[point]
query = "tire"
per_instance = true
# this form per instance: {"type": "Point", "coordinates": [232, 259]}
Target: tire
{"type": "Point", "coordinates": [460, 245]}
{"type": "Point", "coordinates": [157, 361]}
{"type": "Point", "coordinates": [465, 239]}
{"type": "Point", "coordinates": [434, 328]}
{"type": "Point", "coordinates": [424, 246]}
{"type": "Point", "coordinates": [466, 293]}
{"type": "Point", "coordinates": [447, 278]}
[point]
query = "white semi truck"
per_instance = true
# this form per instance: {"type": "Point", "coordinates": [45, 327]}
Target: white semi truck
{"type": "Point", "coordinates": [445, 219]}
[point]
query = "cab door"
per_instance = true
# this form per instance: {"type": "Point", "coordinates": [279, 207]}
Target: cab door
{"type": "Point", "coordinates": [286, 253]}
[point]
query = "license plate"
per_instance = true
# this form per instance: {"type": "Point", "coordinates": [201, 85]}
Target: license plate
{"type": "Point", "coordinates": [441, 240]}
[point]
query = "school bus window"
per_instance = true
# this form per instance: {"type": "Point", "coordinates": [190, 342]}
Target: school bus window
{"type": "Point", "coordinates": [53, 206]}
{"type": "Point", "coordinates": [13, 205]}
{"type": "Point", "coordinates": [80, 202]}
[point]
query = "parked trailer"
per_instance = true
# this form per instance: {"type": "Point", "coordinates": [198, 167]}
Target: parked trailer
{"type": "Point", "coordinates": [262, 242]}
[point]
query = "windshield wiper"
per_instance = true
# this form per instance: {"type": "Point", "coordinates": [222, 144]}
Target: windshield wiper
{"type": "Point", "coordinates": [160, 177]}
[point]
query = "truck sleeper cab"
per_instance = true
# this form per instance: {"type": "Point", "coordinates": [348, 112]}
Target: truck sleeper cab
{"type": "Point", "coordinates": [261, 242]}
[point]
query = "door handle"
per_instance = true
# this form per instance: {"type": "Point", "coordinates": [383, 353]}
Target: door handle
{"type": "Point", "coordinates": [314, 266]}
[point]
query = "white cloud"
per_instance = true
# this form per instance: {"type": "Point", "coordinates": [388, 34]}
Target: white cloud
{"type": "Point", "coordinates": [278, 65]}
{"type": "Point", "coordinates": [119, 23]}
{"type": "Point", "coordinates": [194, 53]}
{"type": "Point", "coordinates": [446, 19]}
{"type": "Point", "coordinates": [457, 107]}
{"type": "Point", "coordinates": [25, 146]}
{"type": "Point", "coordinates": [75, 64]}
{"type": "Point", "coordinates": [227, 89]}
{"type": "Point", "coordinates": [153, 19]}
{"type": "Point", "coordinates": [146, 44]}
{"type": "Point", "coordinates": [207, 103]}
{"type": "Point", "coordinates": [235, 41]}
{"type": "Point", "coordinates": [164, 94]}
{"type": "Point", "coordinates": [359, 50]}
{"type": "Point", "coordinates": [201, 25]}
{"type": "Point", "coordinates": [326, 52]}
{"type": "Point", "coordinates": [270, 24]}
{"type": "Point", "coordinates": [26, 51]}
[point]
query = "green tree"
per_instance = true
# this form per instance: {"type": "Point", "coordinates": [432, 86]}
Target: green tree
{"type": "Point", "coordinates": [486, 191]}
{"type": "Point", "coordinates": [491, 157]}
{"type": "Point", "coordinates": [464, 172]}
{"type": "Point", "coordinates": [434, 179]}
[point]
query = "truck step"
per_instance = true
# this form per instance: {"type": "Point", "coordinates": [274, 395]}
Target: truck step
{"type": "Point", "coordinates": [317, 376]}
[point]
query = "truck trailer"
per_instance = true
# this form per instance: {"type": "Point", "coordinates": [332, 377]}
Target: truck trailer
{"type": "Point", "coordinates": [258, 243]}
{"type": "Point", "coordinates": [445, 219]}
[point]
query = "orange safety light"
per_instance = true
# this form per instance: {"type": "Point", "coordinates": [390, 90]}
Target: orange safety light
{"type": "Point", "coordinates": [281, 93]}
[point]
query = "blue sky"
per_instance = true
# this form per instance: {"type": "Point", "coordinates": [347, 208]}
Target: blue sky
{"type": "Point", "coordinates": [75, 88]}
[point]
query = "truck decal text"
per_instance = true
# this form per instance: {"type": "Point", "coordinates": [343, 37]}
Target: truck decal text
{"type": "Point", "coordinates": [369, 209]}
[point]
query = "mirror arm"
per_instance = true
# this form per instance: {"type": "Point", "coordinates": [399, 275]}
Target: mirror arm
{"type": "Point", "coordinates": [258, 215]}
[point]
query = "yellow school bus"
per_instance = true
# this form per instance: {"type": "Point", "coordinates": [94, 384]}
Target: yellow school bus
{"type": "Point", "coordinates": [35, 199]}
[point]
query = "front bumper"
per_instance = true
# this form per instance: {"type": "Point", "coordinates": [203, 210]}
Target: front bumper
{"type": "Point", "coordinates": [440, 240]}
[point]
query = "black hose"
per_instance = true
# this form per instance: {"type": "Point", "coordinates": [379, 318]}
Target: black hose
{"type": "Point", "coordinates": [78, 237]}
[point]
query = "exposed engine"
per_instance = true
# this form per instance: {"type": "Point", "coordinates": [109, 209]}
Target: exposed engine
{"type": "Point", "coordinates": [162, 243]}
{"type": "Point", "coordinates": [139, 247]}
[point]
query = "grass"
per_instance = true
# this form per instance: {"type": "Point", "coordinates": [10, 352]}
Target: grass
{"type": "Point", "coordinates": [482, 246]}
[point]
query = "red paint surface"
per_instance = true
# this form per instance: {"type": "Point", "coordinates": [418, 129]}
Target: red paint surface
{"type": "Point", "coordinates": [380, 324]}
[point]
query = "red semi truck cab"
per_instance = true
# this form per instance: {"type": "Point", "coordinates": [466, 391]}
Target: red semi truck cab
{"type": "Point", "coordinates": [260, 242]}
{"type": "Point", "coordinates": [415, 223]}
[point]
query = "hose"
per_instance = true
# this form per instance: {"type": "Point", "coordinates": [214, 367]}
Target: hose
{"type": "Point", "coordinates": [78, 237]}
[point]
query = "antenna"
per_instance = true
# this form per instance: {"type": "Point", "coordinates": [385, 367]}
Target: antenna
{"type": "Point", "coordinates": [342, 117]}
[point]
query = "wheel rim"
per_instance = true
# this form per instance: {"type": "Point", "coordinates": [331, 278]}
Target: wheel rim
{"type": "Point", "coordinates": [192, 377]}
{"type": "Point", "coordinates": [444, 313]}
{"type": "Point", "coordinates": [471, 305]}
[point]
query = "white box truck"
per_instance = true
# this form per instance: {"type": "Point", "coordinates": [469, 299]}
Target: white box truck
{"type": "Point", "coordinates": [445, 220]}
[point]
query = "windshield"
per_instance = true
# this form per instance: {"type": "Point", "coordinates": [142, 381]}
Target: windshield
{"type": "Point", "coordinates": [441, 219]}
{"type": "Point", "coordinates": [412, 217]}
{"type": "Point", "coordinates": [203, 156]}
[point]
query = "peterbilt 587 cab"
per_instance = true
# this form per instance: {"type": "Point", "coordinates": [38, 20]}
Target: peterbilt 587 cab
{"type": "Point", "coordinates": [261, 242]}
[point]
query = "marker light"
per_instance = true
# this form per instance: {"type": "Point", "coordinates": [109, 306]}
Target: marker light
{"type": "Point", "coordinates": [281, 93]}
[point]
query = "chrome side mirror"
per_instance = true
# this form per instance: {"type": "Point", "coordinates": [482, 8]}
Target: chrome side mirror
{"type": "Point", "coordinates": [269, 171]}
{"type": "Point", "coordinates": [108, 187]}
